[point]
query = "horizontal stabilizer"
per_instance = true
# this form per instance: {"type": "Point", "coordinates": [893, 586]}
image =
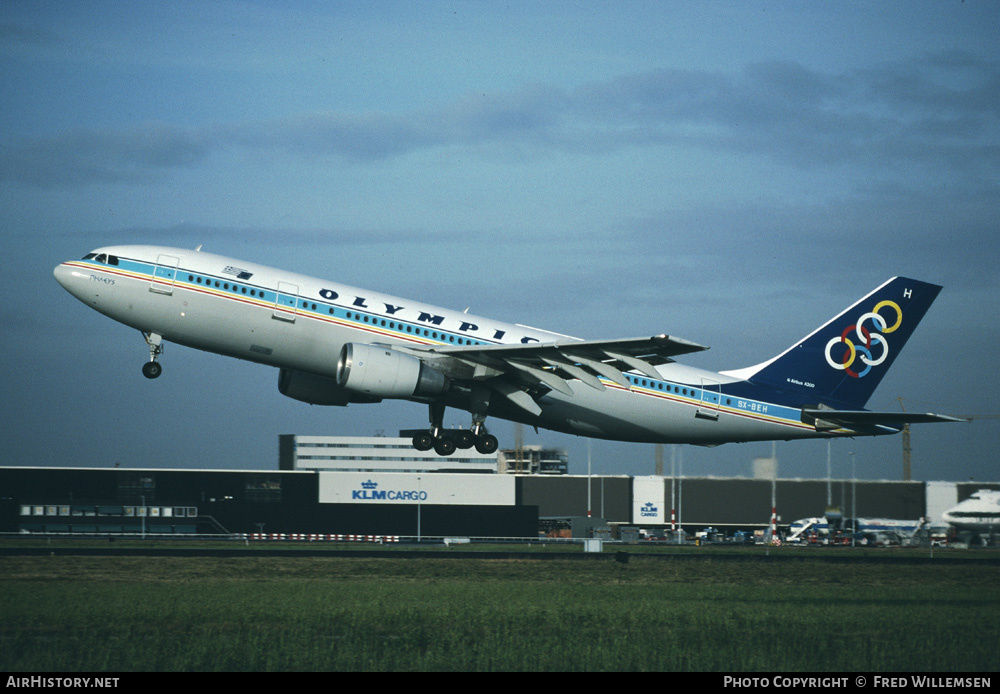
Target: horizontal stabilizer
{"type": "Point", "coordinates": [852, 419]}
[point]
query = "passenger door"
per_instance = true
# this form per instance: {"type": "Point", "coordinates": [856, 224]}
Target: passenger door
{"type": "Point", "coordinates": [286, 302]}
{"type": "Point", "coordinates": [164, 274]}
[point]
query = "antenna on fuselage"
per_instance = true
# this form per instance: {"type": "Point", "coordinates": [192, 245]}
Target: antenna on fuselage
{"type": "Point", "coordinates": [198, 249]}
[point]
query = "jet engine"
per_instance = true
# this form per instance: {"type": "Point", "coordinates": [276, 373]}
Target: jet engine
{"type": "Point", "coordinates": [382, 372]}
{"type": "Point", "coordinates": [316, 390]}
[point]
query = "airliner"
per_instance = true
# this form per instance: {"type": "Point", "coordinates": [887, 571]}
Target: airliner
{"type": "Point", "coordinates": [337, 345]}
{"type": "Point", "coordinates": [980, 513]}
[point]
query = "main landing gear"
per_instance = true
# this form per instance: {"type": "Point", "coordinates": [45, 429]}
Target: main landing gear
{"type": "Point", "coordinates": [446, 443]}
{"type": "Point", "coordinates": [152, 368]}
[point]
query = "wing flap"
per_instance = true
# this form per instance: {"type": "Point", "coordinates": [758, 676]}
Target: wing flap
{"type": "Point", "coordinates": [549, 378]}
{"type": "Point", "coordinates": [575, 371]}
{"type": "Point", "coordinates": [513, 370]}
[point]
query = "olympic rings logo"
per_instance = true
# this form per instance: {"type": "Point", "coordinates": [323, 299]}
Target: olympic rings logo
{"type": "Point", "coordinates": [868, 341]}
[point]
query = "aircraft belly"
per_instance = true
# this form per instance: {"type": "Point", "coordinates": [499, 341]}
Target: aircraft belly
{"type": "Point", "coordinates": [616, 413]}
{"type": "Point", "coordinates": [246, 330]}
{"type": "Point", "coordinates": [251, 332]}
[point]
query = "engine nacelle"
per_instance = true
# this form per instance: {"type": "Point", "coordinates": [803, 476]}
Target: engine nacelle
{"type": "Point", "coordinates": [382, 372]}
{"type": "Point", "coordinates": [316, 390]}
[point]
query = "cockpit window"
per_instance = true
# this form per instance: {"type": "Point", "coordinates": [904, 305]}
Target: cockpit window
{"type": "Point", "coordinates": [90, 256]}
{"type": "Point", "coordinates": [103, 258]}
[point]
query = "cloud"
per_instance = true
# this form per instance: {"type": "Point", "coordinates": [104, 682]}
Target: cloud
{"type": "Point", "coordinates": [935, 113]}
{"type": "Point", "coordinates": [14, 34]}
{"type": "Point", "coordinates": [86, 156]}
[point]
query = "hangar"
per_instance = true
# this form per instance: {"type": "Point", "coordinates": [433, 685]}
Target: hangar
{"type": "Point", "coordinates": [161, 501]}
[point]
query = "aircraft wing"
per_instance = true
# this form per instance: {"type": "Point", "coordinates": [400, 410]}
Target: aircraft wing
{"type": "Point", "coordinates": [863, 420]}
{"type": "Point", "coordinates": [513, 370]}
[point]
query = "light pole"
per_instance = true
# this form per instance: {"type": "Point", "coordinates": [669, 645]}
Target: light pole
{"type": "Point", "coordinates": [854, 498]}
{"type": "Point", "coordinates": [589, 472]}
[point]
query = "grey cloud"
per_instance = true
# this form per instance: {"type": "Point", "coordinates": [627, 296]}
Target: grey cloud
{"type": "Point", "coordinates": [26, 35]}
{"type": "Point", "coordinates": [917, 112]}
{"type": "Point", "coordinates": [364, 136]}
{"type": "Point", "coordinates": [85, 156]}
{"type": "Point", "coordinates": [933, 113]}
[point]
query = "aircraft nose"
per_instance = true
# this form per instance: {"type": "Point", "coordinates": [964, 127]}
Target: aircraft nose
{"type": "Point", "coordinates": [70, 278]}
{"type": "Point", "coordinates": [63, 275]}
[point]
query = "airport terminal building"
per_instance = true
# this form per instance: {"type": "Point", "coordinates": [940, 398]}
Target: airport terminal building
{"type": "Point", "coordinates": [154, 501]}
{"type": "Point", "coordinates": [338, 486]}
{"type": "Point", "coordinates": [397, 454]}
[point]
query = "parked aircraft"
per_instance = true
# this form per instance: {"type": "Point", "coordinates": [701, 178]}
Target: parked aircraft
{"type": "Point", "coordinates": [334, 345]}
{"type": "Point", "coordinates": [977, 515]}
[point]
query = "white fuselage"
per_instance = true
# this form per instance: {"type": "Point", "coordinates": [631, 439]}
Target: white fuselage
{"type": "Point", "coordinates": [291, 321]}
{"type": "Point", "coordinates": [979, 513]}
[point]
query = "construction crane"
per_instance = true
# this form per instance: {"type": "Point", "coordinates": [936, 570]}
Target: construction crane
{"type": "Point", "coordinates": [907, 448]}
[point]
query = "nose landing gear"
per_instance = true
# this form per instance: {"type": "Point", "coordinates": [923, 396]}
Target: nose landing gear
{"type": "Point", "coordinates": [152, 368]}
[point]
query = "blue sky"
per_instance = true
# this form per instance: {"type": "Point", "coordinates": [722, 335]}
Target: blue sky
{"type": "Point", "coordinates": [730, 173]}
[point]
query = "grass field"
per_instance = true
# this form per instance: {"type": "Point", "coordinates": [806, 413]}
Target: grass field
{"type": "Point", "coordinates": [387, 614]}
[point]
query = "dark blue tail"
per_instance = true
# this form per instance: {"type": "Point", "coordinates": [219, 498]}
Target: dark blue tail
{"type": "Point", "coordinates": [841, 363]}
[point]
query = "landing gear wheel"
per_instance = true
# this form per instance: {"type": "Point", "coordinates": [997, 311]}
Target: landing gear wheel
{"type": "Point", "coordinates": [464, 438]}
{"type": "Point", "coordinates": [152, 369]}
{"type": "Point", "coordinates": [423, 441]}
{"type": "Point", "coordinates": [487, 444]}
{"type": "Point", "coordinates": [444, 446]}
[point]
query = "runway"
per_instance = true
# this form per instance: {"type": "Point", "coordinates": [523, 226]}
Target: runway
{"type": "Point", "coordinates": [759, 555]}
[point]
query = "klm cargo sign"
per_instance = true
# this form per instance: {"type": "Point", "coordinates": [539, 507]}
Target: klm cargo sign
{"type": "Point", "coordinates": [424, 488]}
{"type": "Point", "coordinates": [648, 501]}
{"type": "Point", "coordinates": [370, 492]}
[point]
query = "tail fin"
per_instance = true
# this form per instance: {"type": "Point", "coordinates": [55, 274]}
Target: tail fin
{"type": "Point", "coordinates": [841, 363]}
